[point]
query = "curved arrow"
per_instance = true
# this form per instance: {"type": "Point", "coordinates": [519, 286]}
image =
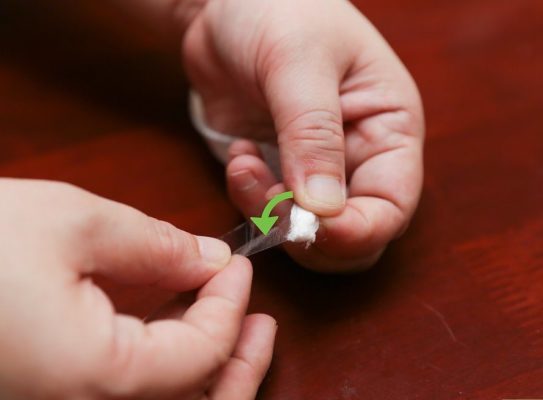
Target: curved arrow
{"type": "Point", "coordinates": [265, 222]}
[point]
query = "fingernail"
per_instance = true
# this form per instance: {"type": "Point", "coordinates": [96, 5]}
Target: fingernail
{"type": "Point", "coordinates": [213, 251]}
{"type": "Point", "coordinates": [324, 190]}
{"type": "Point", "coordinates": [243, 180]}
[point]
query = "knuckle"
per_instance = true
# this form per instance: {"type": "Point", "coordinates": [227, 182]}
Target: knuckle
{"type": "Point", "coordinates": [221, 339]}
{"type": "Point", "coordinates": [288, 47]}
{"type": "Point", "coordinates": [163, 242]}
{"type": "Point", "coordinates": [114, 376]}
{"type": "Point", "coordinates": [64, 213]}
{"type": "Point", "coordinates": [324, 120]}
{"type": "Point", "coordinates": [316, 136]}
{"type": "Point", "coordinates": [222, 354]}
{"type": "Point", "coordinates": [81, 210]}
{"type": "Point", "coordinates": [254, 370]}
{"type": "Point", "coordinates": [65, 195]}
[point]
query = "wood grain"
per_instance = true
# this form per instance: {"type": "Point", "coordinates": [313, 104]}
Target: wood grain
{"type": "Point", "coordinates": [453, 310]}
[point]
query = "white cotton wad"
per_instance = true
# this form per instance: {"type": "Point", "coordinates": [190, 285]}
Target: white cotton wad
{"type": "Point", "coordinates": [303, 225]}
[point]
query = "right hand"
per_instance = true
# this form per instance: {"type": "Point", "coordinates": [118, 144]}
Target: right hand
{"type": "Point", "coordinates": [60, 336]}
{"type": "Point", "coordinates": [318, 79]}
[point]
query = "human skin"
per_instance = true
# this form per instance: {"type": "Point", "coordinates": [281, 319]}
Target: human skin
{"type": "Point", "coordinates": [60, 336]}
{"type": "Point", "coordinates": [313, 75]}
{"type": "Point", "coordinates": [318, 78]}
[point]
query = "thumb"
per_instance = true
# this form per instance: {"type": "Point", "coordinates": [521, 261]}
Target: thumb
{"type": "Point", "coordinates": [303, 96]}
{"type": "Point", "coordinates": [129, 247]}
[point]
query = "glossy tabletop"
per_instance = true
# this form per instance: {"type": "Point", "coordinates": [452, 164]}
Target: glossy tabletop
{"type": "Point", "coordinates": [454, 309]}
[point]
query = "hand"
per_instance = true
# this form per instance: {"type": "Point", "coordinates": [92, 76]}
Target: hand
{"type": "Point", "coordinates": [347, 116]}
{"type": "Point", "coordinates": [59, 334]}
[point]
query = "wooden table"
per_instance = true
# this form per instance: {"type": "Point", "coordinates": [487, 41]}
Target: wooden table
{"type": "Point", "coordinates": [454, 310]}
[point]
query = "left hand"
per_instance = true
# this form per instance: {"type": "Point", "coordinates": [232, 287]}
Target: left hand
{"type": "Point", "coordinates": [347, 116]}
{"type": "Point", "coordinates": [60, 336]}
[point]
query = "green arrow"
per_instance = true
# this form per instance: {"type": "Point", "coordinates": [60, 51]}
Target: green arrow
{"type": "Point", "coordinates": [265, 222]}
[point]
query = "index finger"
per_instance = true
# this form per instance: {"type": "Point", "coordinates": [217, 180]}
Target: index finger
{"type": "Point", "coordinates": [181, 356]}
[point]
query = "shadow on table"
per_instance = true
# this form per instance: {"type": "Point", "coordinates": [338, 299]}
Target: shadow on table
{"type": "Point", "coordinates": [94, 51]}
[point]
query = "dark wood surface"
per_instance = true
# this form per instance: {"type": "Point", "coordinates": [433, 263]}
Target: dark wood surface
{"type": "Point", "coordinates": [452, 311]}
